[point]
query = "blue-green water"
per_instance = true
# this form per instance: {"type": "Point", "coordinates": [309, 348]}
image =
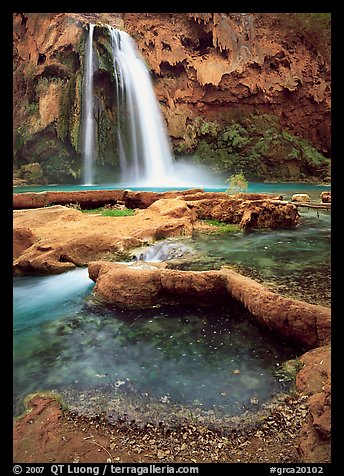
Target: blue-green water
{"type": "Point", "coordinates": [286, 189]}
{"type": "Point", "coordinates": [198, 357]}
{"type": "Point", "coordinates": [295, 262]}
{"type": "Point", "coordinates": [148, 361]}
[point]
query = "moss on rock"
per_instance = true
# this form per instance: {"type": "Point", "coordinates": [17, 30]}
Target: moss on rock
{"type": "Point", "coordinates": [257, 146]}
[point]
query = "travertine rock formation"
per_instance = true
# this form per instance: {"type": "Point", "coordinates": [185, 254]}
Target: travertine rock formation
{"type": "Point", "coordinates": [241, 91]}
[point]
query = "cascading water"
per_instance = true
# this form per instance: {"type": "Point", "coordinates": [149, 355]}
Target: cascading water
{"type": "Point", "coordinates": [145, 153]}
{"type": "Point", "coordinates": [88, 125]}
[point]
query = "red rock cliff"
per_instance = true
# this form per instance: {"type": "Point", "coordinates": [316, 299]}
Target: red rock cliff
{"type": "Point", "coordinates": [209, 70]}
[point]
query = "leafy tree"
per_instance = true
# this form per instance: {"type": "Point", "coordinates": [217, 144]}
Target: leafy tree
{"type": "Point", "coordinates": [237, 183]}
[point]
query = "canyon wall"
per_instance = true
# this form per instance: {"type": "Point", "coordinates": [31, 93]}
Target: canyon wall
{"type": "Point", "coordinates": [239, 92]}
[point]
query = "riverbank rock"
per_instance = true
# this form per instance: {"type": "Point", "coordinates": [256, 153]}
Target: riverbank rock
{"type": "Point", "coordinates": [173, 208]}
{"type": "Point", "coordinates": [314, 380]}
{"type": "Point", "coordinates": [23, 238]}
{"type": "Point", "coordinates": [88, 199]}
{"type": "Point", "coordinates": [144, 285]}
{"type": "Point", "coordinates": [325, 197]}
{"type": "Point", "coordinates": [62, 237]}
{"type": "Point", "coordinates": [300, 197]}
{"type": "Point", "coordinates": [262, 213]}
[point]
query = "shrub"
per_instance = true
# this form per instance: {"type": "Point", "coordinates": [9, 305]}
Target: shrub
{"type": "Point", "coordinates": [237, 183]}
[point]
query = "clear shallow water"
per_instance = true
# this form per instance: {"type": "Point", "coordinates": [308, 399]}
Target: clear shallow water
{"type": "Point", "coordinates": [147, 362]}
{"type": "Point", "coordinates": [206, 358]}
{"type": "Point", "coordinates": [286, 189]}
{"type": "Point", "coordinates": [296, 262]}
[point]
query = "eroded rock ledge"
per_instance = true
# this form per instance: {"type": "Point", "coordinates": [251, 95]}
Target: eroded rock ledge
{"type": "Point", "coordinates": [134, 285]}
{"type": "Point", "coordinates": [57, 238]}
{"type": "Point", "coordinates": [88, 199]}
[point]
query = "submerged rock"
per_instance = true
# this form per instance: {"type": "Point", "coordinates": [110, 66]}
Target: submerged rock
{"type": "Point", "coordinates": [304, 323]}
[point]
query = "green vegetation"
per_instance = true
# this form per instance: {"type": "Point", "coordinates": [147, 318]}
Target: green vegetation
{"type": "Point", "coordinates": [33, 107]}
{"type": "Point", "coordinates": [75, 119]}
{"type": "Point", "coordinates": [106, 140]}
{"type": "Point", "coordinates": [111, 212]}
{"type": "Point", "coordinates": [288, 371]}
{"type": "Point", "coordinates": [60, 168]}
{"type": "Point", "coordinates": [255, 146]}
{"type": "Point", "coordinates": [223, 227]}
{"type": "Point", "coordinates": [237, 183]}
{"type": "Point", "coordinates": [22, 135]}
{"type": "Point", "coordinates": [65, 109]}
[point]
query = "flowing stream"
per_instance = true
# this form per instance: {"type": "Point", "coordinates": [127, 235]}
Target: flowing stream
{"type": "Point", "coordinates": [170, 362]}
{"type": "Point", "coordinates": [142, 363]}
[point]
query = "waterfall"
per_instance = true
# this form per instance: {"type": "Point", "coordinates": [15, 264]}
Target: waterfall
{"type": "Point", "coordinates": [143, 145]}
{"type": "Point", "coordinates": [88, 123]}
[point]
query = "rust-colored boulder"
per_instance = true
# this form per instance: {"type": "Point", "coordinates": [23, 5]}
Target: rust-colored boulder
{"type": "Point", "coordinates": [134, 286]}
{"type": "Point", "coordinates": [268, 214]}
{"type": "Point", "coordinates": [172, 208]}
{"type": "Point", "coordinates": [226, 210]}
{"type": "Point", "coordinates": [325, 197]}
{"type": "Point", "coordinates": [88, 199]}
{"type": "Point", "coordinates": [30, 200]}
{"type": "Point", "coordinates": [300, 197]}
{"type": "Point", "coordinates": [202, 195]}
{"type": "Point", "coordinates": [248, 210]}
{"type": "Point", "coordinates": [195, 285]}
{"type": "Point", "coordinates": [248, 213]}
{"type": "Point", "coordinates": [320, 410]}
{"type": "Point", "coordinates": [315, 372]}
{"type": "Point", "coordinates": [297, 320]}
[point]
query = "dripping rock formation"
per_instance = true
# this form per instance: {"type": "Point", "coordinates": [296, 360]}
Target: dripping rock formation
{"type": "Point", "coordinates": [248, 92]}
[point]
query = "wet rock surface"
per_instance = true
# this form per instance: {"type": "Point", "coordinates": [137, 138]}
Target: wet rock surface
{"type": "Point", "coordinates": [138, 285]}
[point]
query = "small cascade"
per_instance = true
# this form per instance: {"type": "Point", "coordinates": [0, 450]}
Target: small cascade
{"type": "Point", "coordinates": [143, 144]}
{"type": "Point", "coordinates": [88, 123]}
{"type": "Point", "coordinates": [164, 251]}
